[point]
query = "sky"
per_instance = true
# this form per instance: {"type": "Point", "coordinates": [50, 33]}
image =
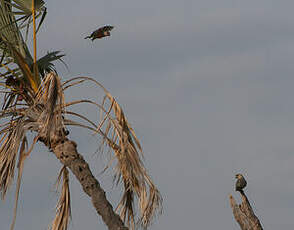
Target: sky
{"type": "Point", "coordinates": [208, 88]}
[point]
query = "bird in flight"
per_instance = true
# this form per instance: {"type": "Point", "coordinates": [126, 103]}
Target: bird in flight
{"type": "Point", "coordinates": [240, 183]}
{"type": "Point", "coordinates": [100, 32]}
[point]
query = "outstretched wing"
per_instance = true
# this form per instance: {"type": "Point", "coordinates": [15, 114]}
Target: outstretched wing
{"type": "Point", "coordinates": [101, 32]}
{"type": "Point", "coordinates": [106, 28]}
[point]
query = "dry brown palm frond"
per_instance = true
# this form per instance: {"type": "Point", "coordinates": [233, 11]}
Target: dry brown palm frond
{"type": "Point", "coordinates": [12, 112]}
{"type": "Point", "coordinates": [151, 205]}
{"type": "Point", "coordinates": [8, 152]}
{"type": "Point", "coordinates": [22, 156]}
{"type": "Point", "coordinates": [118, 134]}
{"type": "Point", "coordinates": [63, 211]}
{"type": "Point", "coordinates": [79, 80]}
{"type": "Point", "coordinates": [50, 94]}
{"type": "Point", "coordinates": [136, 182]}
{"type": "Point", "coordinates": [13, 139]}
{"type": "Point", "coordinates": [44, 115]}
{"type": "Point", "coordinates": [131, 171]}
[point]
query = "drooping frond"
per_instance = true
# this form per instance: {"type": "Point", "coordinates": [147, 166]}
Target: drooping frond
{"type": "Point", "coordinates": [38, 115]}
{"type": "Point", "coordinates": [118, 134]}
{"type": "Point", "coordinates": [22, 156]}
{"type": "Point", "coordinates": [63, 210]}
{"type": "Point", "coordinates": [44, 113]}
{"type": "Point", "coordinates": [130, 169]}
{"type": "Point", "coordinates": [9, 145]}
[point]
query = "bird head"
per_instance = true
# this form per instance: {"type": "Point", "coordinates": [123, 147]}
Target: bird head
{"type": "Point", "coordinates": [238, 176]}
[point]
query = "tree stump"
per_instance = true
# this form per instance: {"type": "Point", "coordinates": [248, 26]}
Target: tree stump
{"type": "Point", "coordinates": [244, 214]}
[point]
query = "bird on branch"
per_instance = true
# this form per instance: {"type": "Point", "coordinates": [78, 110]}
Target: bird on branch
{"type": "Point", "coordinates": [100, 33]}
{"type": "Point", "coordinates": [240, 183]}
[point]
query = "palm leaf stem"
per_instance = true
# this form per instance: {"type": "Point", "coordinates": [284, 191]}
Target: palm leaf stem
{"type": "Point", "coordinates": [35, 41]}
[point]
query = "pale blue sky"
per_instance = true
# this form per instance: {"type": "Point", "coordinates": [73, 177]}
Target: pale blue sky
{"type": "Point", "coordinates": [207, 86]}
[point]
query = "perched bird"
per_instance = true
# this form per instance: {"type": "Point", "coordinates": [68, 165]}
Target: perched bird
{"type": "Point", "coordinates": [240, 183]}
{"type": "Point", "coordinates": [100, 33]}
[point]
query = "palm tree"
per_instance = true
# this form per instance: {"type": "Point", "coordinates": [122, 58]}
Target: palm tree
{"type": "Point", "coordinates": [33, 100]}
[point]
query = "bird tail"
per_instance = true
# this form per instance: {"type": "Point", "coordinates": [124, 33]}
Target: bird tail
{"type": "Point", "coordinates": [87, 37]}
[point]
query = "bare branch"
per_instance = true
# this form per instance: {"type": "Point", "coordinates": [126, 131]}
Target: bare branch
{"type": "Point", "coordinates": [244, 214]}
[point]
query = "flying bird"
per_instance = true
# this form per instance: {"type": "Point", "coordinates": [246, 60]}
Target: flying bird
{"type": "Point", "coordinates": [240, 183]}
{"type": "Point", "coordinates": [100, 33]}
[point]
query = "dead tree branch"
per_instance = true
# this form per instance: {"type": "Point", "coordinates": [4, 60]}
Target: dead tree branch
{"type": "Point", "coordinates": [244, 214]}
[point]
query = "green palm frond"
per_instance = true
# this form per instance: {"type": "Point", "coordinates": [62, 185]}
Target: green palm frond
{"type": "Point", "coordinates": [12, 45]}
{"type": "Point", "coordinates": [45, 64]}
{"type": "Point", "coordinates": [22, 9]}
{"type": "Point", "coordinates": [25, 6]}
{"type": "Point", "coordinates": [9, 31]}
{"type": "Point", "coordinates": [21, 74]}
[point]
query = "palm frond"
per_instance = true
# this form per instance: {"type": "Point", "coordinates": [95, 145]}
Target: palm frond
{"type": "Point", "coordinates": [33, 80]}
{"type": "Point", "coordinates": [9, 31]}
{"type": "Point", "coordinates": [25, 6]}
{"type": "Point", "coordinates": [24, 9]}
{"type": "Point", "coordinates": [118, 134]}
{"type": "Point", "coordinates": [9, 146]}
{"type": "Point", "coordinates": [45, 116]}
{"type": "Point", "coordinates": [22, 63]}
{"type": "Point", "coordinates": [12, 44]}
{"type": "Point", "coordinates": [130, 169]}
{"type": "Point", "coordinates": [63, 210]}
{"type": "Point", "coordinates": [45, 63]}
{"type": "Point", "coordinates": [22, 156]}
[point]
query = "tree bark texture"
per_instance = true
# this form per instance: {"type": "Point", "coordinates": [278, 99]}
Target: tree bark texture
{"type": "Point", "coordinates": [244, 214]}
{"type": "Point", "coordinates": [66, 152]}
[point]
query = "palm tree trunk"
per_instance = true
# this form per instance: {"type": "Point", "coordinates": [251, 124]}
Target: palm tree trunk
{"type": "Point", "coordinates": [66, 152]}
